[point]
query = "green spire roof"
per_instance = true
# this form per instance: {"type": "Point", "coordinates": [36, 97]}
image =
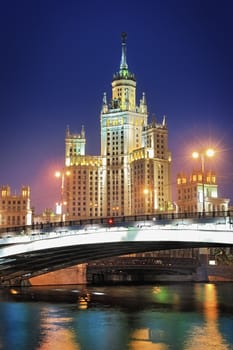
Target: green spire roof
{"type": "Point", "coordinates": [124, 72]}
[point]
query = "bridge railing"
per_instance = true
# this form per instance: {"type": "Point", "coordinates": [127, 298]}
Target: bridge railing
{"type": "Point", "coordinates": [145, 261]}
{"type": "Point", "coordinates": [158, 218]}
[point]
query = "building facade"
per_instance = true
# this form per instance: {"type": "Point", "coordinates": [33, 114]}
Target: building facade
{"type": "Point", "coordinates": [15, 210]}
{"type": "Point", "coordinates": [199, 193]}
{"type": "Point", "coordinates": [132, 173]}
{"type": "Point", "coordinates": [83, 179]}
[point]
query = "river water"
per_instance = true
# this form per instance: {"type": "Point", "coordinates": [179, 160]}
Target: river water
{"type": "Point", "coordinates": [150, 317]}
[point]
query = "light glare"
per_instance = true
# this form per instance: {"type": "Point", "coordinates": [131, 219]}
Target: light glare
{"type": "Point", "coordinates": [57, 173]}
{"type": "Point", "coordinates": [195, 155]}
{"type": "Point", "coordinates": [210, 152]}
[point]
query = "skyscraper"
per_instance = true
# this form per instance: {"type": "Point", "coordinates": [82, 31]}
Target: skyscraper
{"type": "Point", "coordinates": [132, 174]}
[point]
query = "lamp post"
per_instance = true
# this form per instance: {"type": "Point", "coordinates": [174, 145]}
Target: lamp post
{"type": "Point", "coordinates": [62, 174]}
{"type": "Point", "coordinates": [202, 155]}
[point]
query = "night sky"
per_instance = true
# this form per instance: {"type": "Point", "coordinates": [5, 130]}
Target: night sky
{"type": "Point", "coordinates": [58, 57]}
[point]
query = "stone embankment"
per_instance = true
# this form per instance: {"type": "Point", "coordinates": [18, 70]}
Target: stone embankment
{"type": "Point", "coordinates": [220, 273]}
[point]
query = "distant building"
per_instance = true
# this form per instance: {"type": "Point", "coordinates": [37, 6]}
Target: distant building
{"type": "Point", "coordinates": [199, 192]}
{"type": "Point", "coordinates": [48, 215]}
{"type": "Point", "coordinates": [15, 210]}
{"type": "Point", "coordinates": [132, 174]}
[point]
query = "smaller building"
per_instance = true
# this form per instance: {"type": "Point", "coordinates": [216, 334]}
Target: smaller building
{"type": "Point", "coordinates": [48, 215]}
{"type": "Point", "coordinates": [15, 210]}
{"type": "Point", "coordinates": [199, 193]}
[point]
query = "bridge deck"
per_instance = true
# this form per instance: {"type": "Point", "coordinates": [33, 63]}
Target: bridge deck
{"type": "Point", "coordinates": [40, 250]}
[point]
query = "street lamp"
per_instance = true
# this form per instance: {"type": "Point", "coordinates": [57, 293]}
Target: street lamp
{"type": "Point", "coordinates": [61, 175]}
{"type": "Point", "coordinates": [202, 155]}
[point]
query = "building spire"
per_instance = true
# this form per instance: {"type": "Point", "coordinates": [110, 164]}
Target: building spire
{"type": "Point", "coordinates": [123, 72]}
{"type": "Point", "coordinates": [83, 132]}
{"type": "Point", "coordinates": [164, 123]}
{"type": "Point", "coordinates": [123, 65]}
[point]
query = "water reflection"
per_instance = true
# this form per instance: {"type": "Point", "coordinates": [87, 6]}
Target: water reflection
{"type": "Point", "coordinates": [199, 334]}
{"type": "Point", "coordinates": [208, 334]}
{"type": "Point", "coordinates": [162, 317]}
{"type": "Point", "coordinates": [56, 331]}
{"type": "Point", "coordinates": [83, 301]}
{"type": "Point", "coordinates": [142, 339]}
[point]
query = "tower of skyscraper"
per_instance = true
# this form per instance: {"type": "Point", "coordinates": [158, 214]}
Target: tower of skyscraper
{"type": "Point", "coordinates": [132, 174]}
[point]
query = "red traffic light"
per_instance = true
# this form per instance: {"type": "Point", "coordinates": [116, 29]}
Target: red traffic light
{"type": "Point", "coordinates": [110, 221]}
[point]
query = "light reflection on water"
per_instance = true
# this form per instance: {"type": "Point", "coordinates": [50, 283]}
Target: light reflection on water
{"type": "Point", "coordinates": [161, 317]}
{"type": "Point", "coordinates": [208, 333]}
{"type": "Point", "coordinates": [56, 332]}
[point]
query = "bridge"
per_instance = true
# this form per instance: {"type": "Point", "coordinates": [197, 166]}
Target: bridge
{"type": "Point", "coordinates": [29, 251]}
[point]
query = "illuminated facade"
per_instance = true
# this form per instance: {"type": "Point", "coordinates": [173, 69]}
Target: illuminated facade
{"type": "Point", "coordinates": [15, 209]}
{"type": "Point", "coordinates": [190, 193]}
{"type": "Point", "coordinates": [83, 185]}
{"type": "Point", "coordinates": [132, 173]}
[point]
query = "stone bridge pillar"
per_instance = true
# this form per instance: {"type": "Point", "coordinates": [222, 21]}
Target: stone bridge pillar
{"type": "Point", "coordinates": [202, 271]}
{"type": "Point", "coordinates": [204, 256]}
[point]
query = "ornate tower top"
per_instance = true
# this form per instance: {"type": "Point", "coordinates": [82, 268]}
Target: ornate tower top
{"type": "Point", "coordinates": [123, 64]}
{"type": "Point", "coordinates": [123, 73]}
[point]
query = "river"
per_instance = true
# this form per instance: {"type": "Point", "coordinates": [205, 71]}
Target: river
{"type": "Point", "coordinates": [190, 316]}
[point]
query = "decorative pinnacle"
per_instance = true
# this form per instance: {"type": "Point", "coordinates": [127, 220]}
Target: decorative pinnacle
{"type": "Point", "coordinates": [123, 73]}
{"type": "Point", "coordinates": [124, 36]}
{"type": "Point", "coordinates": [123, 65]}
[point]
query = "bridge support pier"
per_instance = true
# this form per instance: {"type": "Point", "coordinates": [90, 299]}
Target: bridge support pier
{"type": "Point", "coordinates": [204, 256]}
{"type": "Point", "coordinates": [202, 274]}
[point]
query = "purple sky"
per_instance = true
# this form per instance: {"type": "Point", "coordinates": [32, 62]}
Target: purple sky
{"type": "Point", "coordinates": [58, 57]}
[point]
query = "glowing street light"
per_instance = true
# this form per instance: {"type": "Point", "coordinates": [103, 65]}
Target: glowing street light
{"type": "Point", "coordinates": [202, 155]}
{"type": "Point", "coordinates": [207, 153]}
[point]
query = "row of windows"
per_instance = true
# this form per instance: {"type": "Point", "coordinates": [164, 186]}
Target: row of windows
{"type": "Point", "coordinates": [92, 172]}
{"type": "Point", "coordinates": [115, 192]}
{"type": "Point", "coordinates": [138, 174]}
{"type": "Point", "coordinates": [78, 210]}
{"type": "Point", "coordinates": [115, 133]}
{"type": "Point", "coordinates": [74, 151]}
{"type": "Point", "coordinates": [13, 208]}
{"type": "Point", "coordinates": [141, 165]}
{"type": "Point", "coordinates": [90, 214]}
{"type": "Point", "coordinates": [115, 161]}
{"type": "Point", "coordinates": [95, 184]}
{"type": "Point", "coordinates": [115, 153]}
{"type": "Point", "coordinates": [188, 190]}
{"type": "Point", "coordinates": [9, 202]}
{"type": "Point", "coordinates": [115, 171]}
{"type": "Point", "coordinates": [13, 219]}
{"type": "Point", "coordinates": [115, 139]}
{"type": "Point", "coordinates": [186, 197]}
{"type": "Point", "coordinates": [93, 203]}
